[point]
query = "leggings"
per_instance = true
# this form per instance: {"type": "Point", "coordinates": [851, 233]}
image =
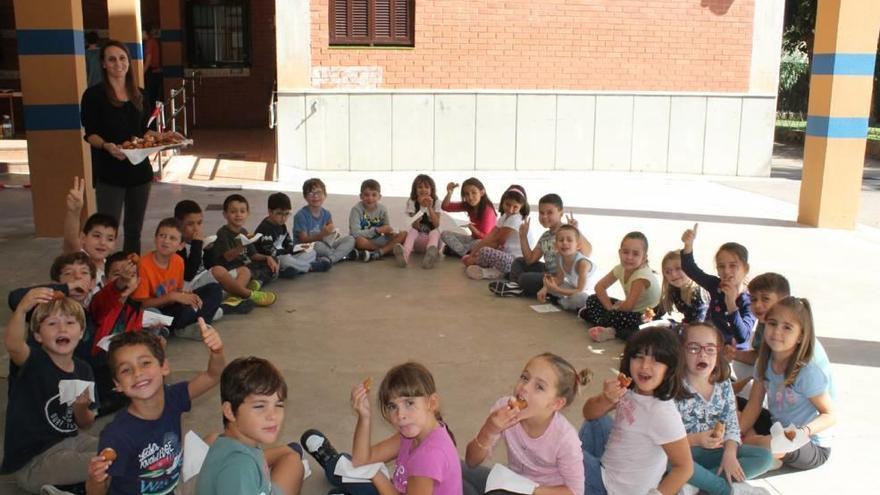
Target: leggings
{"type": "Point", "coordinates": [420, 241]}
{"type": "Point", "coordinates": [626, 323]}
{"type": "Point", "coordinates": [110, 201]}
{"type": "Point", "coordinates": [754, 461]}
{"type": "Point", "coordinates": [494, 258]}
{"type": "Point", "coordinates": [457, 242]}
{"type": "Point", "coordinates": [529, 277]}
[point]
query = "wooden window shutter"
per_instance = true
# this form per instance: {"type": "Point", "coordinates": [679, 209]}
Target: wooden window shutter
{"type": "Point", "coordinates": [372, 22]}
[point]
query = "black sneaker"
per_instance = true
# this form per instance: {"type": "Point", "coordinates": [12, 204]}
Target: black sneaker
{"type": "Point", "coordinates": [353, 255]}
{"type": "Point", "coordinates": [505, 289]}
{"type": "Point", "coordinates": [323, 452]}
{"type": "Point", "coordinates": [289, 272]}
{"type": "Point", "coordinates": [365, 256]}
{"type": "Point", "coordinates": [322, 264]}
{"type": "Point", "coordinates": [237, 306]}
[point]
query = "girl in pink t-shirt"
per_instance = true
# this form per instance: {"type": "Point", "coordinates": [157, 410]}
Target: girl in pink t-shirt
{"type": "Point", "coordinates": [541, 444]}
{"type": "Point", "coordinates": [426, 459]}
{"type": "Point", "coordinates": [480, 210]}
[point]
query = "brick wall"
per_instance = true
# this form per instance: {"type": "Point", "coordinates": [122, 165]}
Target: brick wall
{"type": "Point", "coordinates": [663, 45]}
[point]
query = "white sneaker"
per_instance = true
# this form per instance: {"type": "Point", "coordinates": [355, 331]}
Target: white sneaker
{"type": "Point", "coordinates": [218, 314]}
{"type": "Point", "coordinates": [688, 489]}
{"type": "Point", "coordinates": [492, 273]}
{"type": "Point", "coordinates": [51, 490]}
{"type": "Point", "coordinates": [744, 488]}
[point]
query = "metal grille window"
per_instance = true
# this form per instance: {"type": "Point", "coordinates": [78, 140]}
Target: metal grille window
{"type": "Point", "coordinates": [372, 22]}
{"type": "Point", "coordinates": [217, 33]}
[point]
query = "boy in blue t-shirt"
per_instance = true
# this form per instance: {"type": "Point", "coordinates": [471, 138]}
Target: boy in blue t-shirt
{"type": "Point", "coordinates": [146, 436]}
{"type": "Point", "coordinates": [312, 223]}
{"type": "Point", "coordinates": [252, 392]}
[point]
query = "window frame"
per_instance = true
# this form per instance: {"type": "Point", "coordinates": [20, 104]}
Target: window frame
{"type": "Point", "coordinates": [407, 41]}
{"type": "Point", "coordinates": [247, 44]}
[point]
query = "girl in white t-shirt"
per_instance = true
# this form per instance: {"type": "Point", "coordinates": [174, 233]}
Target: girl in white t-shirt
{"type": "Point", "coordinates": [424, 232]}
{"type": "Point", "coordinates": [630, 453]}
{"type": "Point", "coordinates": [541, 443]}
{"type": "Point", "coordinates": [494, 254]}
{"type": "Point", "coordinates": [612, 317]}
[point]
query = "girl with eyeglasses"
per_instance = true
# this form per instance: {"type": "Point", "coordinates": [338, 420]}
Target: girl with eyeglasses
{"type": "Point", "coordinates": [721, 462]}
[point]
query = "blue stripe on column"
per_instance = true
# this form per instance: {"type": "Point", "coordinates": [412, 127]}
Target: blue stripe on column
{"type": "Point", "coordinates": [137, 50]}
{"type": "Point", "coordinates": [844, 64]}
{"type": "Point", "coordinates": [172, 35]}
{"type": "Point", "coordinates": [50, 42]}
{"type": "Point", "coordinates": [837, 127]}
{"type": "Point", "coordinates": [52, 117]}
{"type": "Point", "coordinates": [172, 71]}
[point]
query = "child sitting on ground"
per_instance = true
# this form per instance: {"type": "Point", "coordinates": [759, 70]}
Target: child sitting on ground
{"type": "Point", "coordinates": [370, 225]}
{"type": "Point", "coordinates": [231, 252]}
{"type": "Point", "coordinates": [276, 242]}
{"type": "Point", "coordinates": [312, 223]}
{"type": "Point", "coordinates": [721, 463]}
{"type": "Point", "coordinates": [730, 308]}
{"type": "Point", "coordinates": [427, 461]}
{"type": "Point", "coordinates": [424, 233]}
{"type": "Point", "coordinates": [146, 437]}
{"type": "Point", "coordinates": [621, 319]}
{"type": "Point", "coordinates": [575, 274]}
{"type": "Point", "coordinates": [493, 256]}
{"type": "Point", "coordinates": [98, 235]}
{"type": "Point", "coordinates": [527, 272]}
{"type": "Point", "coordinates": [481, 214]}
{"type": "Point", "coordinates": [796, 388]}
{"type": "Point", "coordinates": [195, 255]}
{"type": "Point", "coordinates": [679, 293]}
{"type": "Point", "coordinates": [644, 449]}
{"type": "Point", "coordinates": [252, 393]}
{"type": "Point", "coordinates": [541, 444]}
{"type": "Point", "coordinates": [42, 445]}
{"type": "Point", "coordinates": [161, 285]}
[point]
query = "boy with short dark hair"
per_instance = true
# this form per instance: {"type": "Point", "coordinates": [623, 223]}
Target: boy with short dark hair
{"type": "Point", "coordinates": [252, 393]}
{"type": "Point", "coordinates": [42, 445]}
{"type": "Point", "coordinates": [230, 252]}
{"type": "Point", "coordinates": [98, 235]}
{"type": "Point", "coordinates": [277, 242]}
{"type": "Point", "coordinates": [146, 436]}
{"type": "Point", "coordinates": [161, 285]}
{"type": "Point", "coordinates": [195, 274]}
{"type": "Point", "coordinates": [312, 223]}
{"type": "Point", "coordinates": [370, 225]}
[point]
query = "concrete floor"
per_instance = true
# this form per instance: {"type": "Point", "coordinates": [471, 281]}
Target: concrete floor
{"type": "Point", "coordinates": [328, 332]}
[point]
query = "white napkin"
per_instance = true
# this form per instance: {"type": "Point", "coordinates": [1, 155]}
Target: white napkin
{"type": "Point", "coordinates": [194, 451]}
{"type": "Point", "coordinates": [69, 390]}
{"type": "Point", "coordinates": [152, 318]}
{"type": "Point", "coordinates": [307, 470]}
{"type": "Point", "coordinates": [461, 222]}
{"type": "Point", "coordinates": [545, 308]}
{"type": "Point", "coordinates": [104, 343]}
{"type": "Point", "coordinates": [351, 474]}
{"type": "Point", "coordinates": [138, 155]}
{"type": "Point", "coordinates": [209, 241]}
{"type": "Point", "coordinates": [413, 219]}
{"type": "Point", "coordinates": [300, 248]}
{"type": "Point", "coordinates": [502, 478]}
{"type": "Point", "coordinates": [245, 240]}
{"type": "Point", "coordinates": [780, 444]}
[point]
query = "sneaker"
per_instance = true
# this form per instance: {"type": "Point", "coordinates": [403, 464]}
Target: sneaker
{"type": "Point", "coordinates": [743, 488]}
{"type": "Point", "coordinates": [189, 332]}
{"type": "Point", "coordinates": [688, 489]}
{"type": "Point", "coordinates": [217, 314]}
{"type": "Point", "coordinates": [375, 255]}
{"type": "Point", "coordinates": [602, 334]}
{"type": "Point", "coordinates": [321, 264]}
{"type": "Point", "coordinates": [263, 298]}
{"type": "Point", "coordinates": [365, 256]}
{"type": "Point", "coordinates": [399, 256]}
{"type": "Point", "coordinates": [474, 272]}
{"type": "Point", "coordinates": [316, 444]}
{"type": "Point", "coordinates": [431, 256]}
{"type": "Point", "coordinates": [289, 272]}
{"type": "Point", "coordinates": [505, 289]}
{"type": "Point", "coordinates": [237, 306]}
{"type": "Point", "coordinates": [353, 255]}
{"type": "Point", "coordinates": [255, 285]}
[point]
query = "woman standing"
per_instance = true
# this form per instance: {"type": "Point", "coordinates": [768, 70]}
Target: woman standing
{"type": "Point", "coordinates": [112, 112]}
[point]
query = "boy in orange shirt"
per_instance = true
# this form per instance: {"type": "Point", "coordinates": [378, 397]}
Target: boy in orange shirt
{"type": "Point", "coordinates": [161, 285]}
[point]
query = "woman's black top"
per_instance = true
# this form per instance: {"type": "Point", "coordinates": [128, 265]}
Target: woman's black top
{"type": "Point", "coordinates": [115, 125]}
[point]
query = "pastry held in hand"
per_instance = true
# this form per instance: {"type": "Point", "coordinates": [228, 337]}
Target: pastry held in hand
{"type": "Point", "coordinates": [368, 383]}
{"type": "Point", "coordinates": [516, 402]}
{"type": "Point", "coordinates": [502, 478]}
{"type": "Point", "coordinates": [623, 380]}
{"type": "Point", "coordinates": [718, 430]}
{"type": "Point", "coordinates": [351, 474]}
{"type": "Point", "coordinates": [780, 443]}
{"type": "Point", "coordinates": [108, 454]}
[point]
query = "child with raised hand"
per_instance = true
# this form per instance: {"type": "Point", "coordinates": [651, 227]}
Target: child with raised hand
{"type": "Point", "coordinates": [42, 445]}
{"type": "Point", "coordinates": [424, 233]}
{"type": "Point", "coordinates": [796, 388]}
{"type": "Point", "coordinates": [541, 444]}
{"type": "Point", "coordinates": [424, 449]}
{"type": "Point", "coordinates": [730, 308]}
{"type": "Point", "coordinates": [679, 293]}
{"type": "Point", "coordinates": [98, 235]}
{"type": "Point", "coordinates": [252, 393]}
{"type": "Point", "coordinates": [575, 273]}
{"type": "Point", "coordinates": [644, 449]}
{"type": "Point", "coordinates": [145, 438]}
{"type": "Point", "coordinates": [621, 319]}
{"type": "Point", "coordinates": [370, 225]}
{"type": "Point", "coordinates": [493, 256]}
{"type": "Point", "coordinates": [721, 464]}
{"type": "Point", "coordinates": [481, 214]}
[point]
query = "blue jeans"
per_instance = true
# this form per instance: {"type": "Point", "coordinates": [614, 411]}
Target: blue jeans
{"type": "Point", "coordinates": [754, 461]}
{"type": "Point", "coordinates": [366, 488]}
{"type": "Point", "coordinates": [594, 436]}
{"type": "Point", "coordinates": [184, 314]}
